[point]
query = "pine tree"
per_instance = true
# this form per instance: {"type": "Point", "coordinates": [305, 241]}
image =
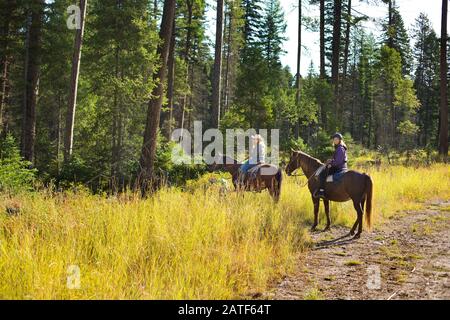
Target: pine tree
{"type": "Point", "coordinates": [148, 155]}
{"type": "Point", "coordinates": [32, 74]}
{"type": "Point", "coordinates": [366, 86]}
{"type": "Point", "coordinates": [252, 21]}
{"type": "Point", "coordinates": [70, 118]}
{"type": "Point", "coordinates": [396, 36]}
{"type": "Point", "coordinates": [118, 66]}
{"type": "Point", "coordinates": [54, 83]}
{"type": "Point", "coordinates": [217, 72]}
{"type": "Point", "coordinates": [426, 81]}
{"type": "Point", "coordinates": [233, 41]}
{"type": "Point", "coordinates": [443, 115]}
{"type": "Point", "coordinates": [271, 35]}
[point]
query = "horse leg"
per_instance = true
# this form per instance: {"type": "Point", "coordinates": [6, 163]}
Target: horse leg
{"type": "Point", "coordinates": [316, 213]}
{"type": "Point", "coordinates": [326, 204]}
{"type": "Point", "coordinates": [358, 222]}
{"type": "Point", "coordinates": [352, 231]}
{"type": "Point", "coordinates": [271, 192]}
{"type": "Point", "coordinates": [274, 192]}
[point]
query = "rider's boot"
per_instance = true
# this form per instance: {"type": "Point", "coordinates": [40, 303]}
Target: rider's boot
{"type": "Point", "coordinates": [320, 192]}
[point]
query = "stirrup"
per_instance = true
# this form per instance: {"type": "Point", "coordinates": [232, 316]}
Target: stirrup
{"type": "Point", "coordinates": [319, 193]}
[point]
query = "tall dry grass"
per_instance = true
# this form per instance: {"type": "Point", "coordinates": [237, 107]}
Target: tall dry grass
{"type": "Point", "coordinates": [178, 244]}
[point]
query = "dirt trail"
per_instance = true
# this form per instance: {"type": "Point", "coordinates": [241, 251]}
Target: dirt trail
{"type": "Point", "coordinates": [407, 257]}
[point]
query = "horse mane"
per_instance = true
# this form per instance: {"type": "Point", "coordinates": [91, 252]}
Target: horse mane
{"type": "Point", "coordinates": [310, 161]}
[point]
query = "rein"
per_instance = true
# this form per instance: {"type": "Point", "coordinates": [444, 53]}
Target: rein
{"type": "Point", "coordinates": [303, 175]}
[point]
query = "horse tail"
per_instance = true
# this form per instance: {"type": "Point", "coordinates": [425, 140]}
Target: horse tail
{"type": "Point", "coordinates": [278, 179]}
{"type": "Point", "coordinates": [369, 194]}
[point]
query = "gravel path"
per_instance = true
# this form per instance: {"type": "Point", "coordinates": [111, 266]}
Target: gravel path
{"type": "Point", "coordinates": [407, 257]}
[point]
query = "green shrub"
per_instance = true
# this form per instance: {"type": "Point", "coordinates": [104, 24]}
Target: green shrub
{"type": "Point", "coordinates": [210, 181]}
{"type": "Point", "coordinates": [321, 146]}
{"type": "Point", "coordinates": [15, 173]}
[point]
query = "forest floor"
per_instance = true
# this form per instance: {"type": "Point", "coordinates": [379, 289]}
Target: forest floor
{"type": "Point", "coordinates": [406, 257]}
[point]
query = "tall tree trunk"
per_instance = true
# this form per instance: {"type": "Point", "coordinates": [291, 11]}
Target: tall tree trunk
{"type": "Point", "coordinates": [8, 8]}
{"type": "Point", "coordinates": [347, 38]}
{"type": "Point", "coordinates": [170, 83]}
{"type": "Point", "coordinates": [115, 158]}
{"type": "Point", "coordinates": [148, 154]}
{"type": "Point", "coordinates": [443, 129]}
{"type": "Point", "coordinates": [225, 52]}
{"type": "Point", "coordinates": [32, 71]}
{"type": "Point", "coordinates": [187, 50]}
{"type": "Point", "coordinates": [71, 108]}
{"type": "Point", "coordinates": [217, 67]}
{"type": "Point", "coordinates": [322, 39]}
{"type": "Point", "coordinates": [298, 76]}
{"type": "Point", "coordinates": [228, 63]}
{"type": "Point", "coordinates": [336, 53]}
{"type": "Point", "coordinates": [58, 133]}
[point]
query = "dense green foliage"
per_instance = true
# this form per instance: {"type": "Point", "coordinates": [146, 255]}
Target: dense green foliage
{"type": "Point", "coordinates": [387, 97]}
{"type": "Point", "coordinates": [15, 174]}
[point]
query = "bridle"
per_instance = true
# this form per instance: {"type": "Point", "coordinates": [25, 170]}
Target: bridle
{"type": "Point", "coordinates": [303, 175]}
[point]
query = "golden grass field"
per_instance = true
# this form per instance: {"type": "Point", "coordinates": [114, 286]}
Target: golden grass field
{"type": "Point", "coordinates": [178, 244]}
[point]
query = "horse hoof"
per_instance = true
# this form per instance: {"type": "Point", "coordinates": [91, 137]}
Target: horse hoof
{"type": "Point", "coordinates": [313, 228]}
{"type": "Point", "coordinates": [327, 229]}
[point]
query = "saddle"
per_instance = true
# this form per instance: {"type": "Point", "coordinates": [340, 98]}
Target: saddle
{"type": "Point", "coordinates": [336, 177]}
{"type": "Point", "coordinates": [254, 170]}
{"type": "Point", "coordinates": [263, 169]}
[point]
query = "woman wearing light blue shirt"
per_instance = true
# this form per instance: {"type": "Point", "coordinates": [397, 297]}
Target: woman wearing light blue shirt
{"type": "Point", "coordinates": [257, 153]}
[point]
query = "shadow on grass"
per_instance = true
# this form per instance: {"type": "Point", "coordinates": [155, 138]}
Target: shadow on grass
{"type": "Point", "coordinates": [343, 240]}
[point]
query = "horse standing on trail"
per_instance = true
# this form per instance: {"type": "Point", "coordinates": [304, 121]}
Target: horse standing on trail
{"type": "Point", "coordinates": [354, 186]}
{"type": "Point", "coordinates": [261, 177]}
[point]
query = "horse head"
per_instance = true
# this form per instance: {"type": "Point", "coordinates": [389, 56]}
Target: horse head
{"type": "Point", "coordinates": [294, 162]}
{"type": "Point", "coordinates": [300, 159]}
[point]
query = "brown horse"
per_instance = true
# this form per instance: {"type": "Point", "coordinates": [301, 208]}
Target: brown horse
{"type": "Point", "coordinates": [353, 186]}
{"type": "Point", "coordinates": [265, 176]}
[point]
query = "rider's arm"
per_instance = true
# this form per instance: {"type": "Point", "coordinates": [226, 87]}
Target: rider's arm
{"type": "Point", "coordinates": [338, 158]}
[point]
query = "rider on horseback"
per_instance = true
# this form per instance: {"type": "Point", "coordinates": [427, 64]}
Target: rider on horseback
{"type": "Point", "coordinates": [335, 165]}
{"type": "Point", "coordinates": [257, 155]}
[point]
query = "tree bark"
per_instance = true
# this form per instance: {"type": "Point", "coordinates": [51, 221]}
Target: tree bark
{"type": "Point", "coordinates": [148, 153]}
{"type": "Point", "coordinates": [298, 76]}
{"type": "Point", "coordinates": [443, 129]}
{"type": "Point", "coordinates": [71, 109]}
{"type": "Point", "coordinates": [8, 7]}
{"type": "Point", "coordinates": [336, 52]}
{"type": "Point", "coordinates": [347, 38]}
{"type": "Point", "coordinates": [227, 91]}
{"type": "Point", "coordinates": [32, 71]}
{"type": "Point", "coordinates": [322, 39]}
{"type": "Point", "coordinates": [217, 67]}
{"type": "Point", "coordinates": [187, 50]}
{"type": "Point", "coordinates": [170, 83]}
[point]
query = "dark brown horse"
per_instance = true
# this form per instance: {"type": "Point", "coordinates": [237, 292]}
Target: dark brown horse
{"type": "Point", "coordinates": [265, 176]}
{"type": "Point", "coordinates": [353, 186]}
